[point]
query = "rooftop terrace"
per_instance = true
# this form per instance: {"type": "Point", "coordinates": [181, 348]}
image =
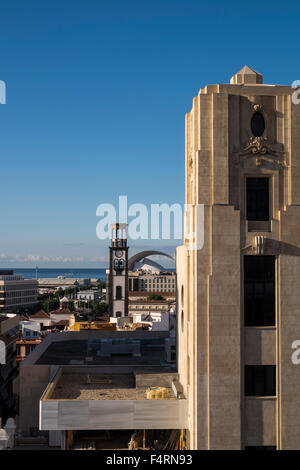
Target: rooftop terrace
{"type": "Point", "coordinates": [99, 387]}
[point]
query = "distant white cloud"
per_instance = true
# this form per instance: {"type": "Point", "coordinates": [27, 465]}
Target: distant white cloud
{"type": "Point", "coordinates": [99, 259]}
{"type": "Point", "coordinates": [32, 258]}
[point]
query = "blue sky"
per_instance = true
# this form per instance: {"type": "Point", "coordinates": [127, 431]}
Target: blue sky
{"type": "Point", "coordinates": [96, 97]}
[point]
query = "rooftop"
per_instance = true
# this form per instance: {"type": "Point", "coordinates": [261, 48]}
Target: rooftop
{"type": "Point", "coordinates": [99, 387]}
{"type": "Point", "coordinates": [39, 314]}
{"type": "Point", "coordinates": [63, 311]}
{"type": "Point", "coordinates": [148, 293]}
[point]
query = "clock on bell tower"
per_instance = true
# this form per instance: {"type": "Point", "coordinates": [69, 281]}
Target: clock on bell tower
{"type": "Point", "coordinates": [118, 271]}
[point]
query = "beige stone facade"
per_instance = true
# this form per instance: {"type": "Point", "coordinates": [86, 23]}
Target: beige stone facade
{"type": "Point", "coordinates": [219, 349]}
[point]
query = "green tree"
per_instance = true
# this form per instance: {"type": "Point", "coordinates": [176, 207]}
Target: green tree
{"type": "Point", "coordinates": [50, 304]}
{"type": "Point", "coordinates": [155, 297]}
{"type": "Point", "coordinates": [100, 308]}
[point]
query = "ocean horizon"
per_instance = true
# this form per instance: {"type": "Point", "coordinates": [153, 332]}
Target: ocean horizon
{"type": "Point", "coordinates": [33, 273]}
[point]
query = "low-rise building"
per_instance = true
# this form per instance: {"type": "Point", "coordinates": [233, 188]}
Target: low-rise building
{"type": "Point", "coordinates": [89, 295]}
{"type": "Point", "coordinates": [64, 313]}
{"type": "Point", "coordinates": [60, 282]}
{"type": "Point", "coordinates": [40, 318]}
{"type": "Point", "coordinates": [143, 281]}
{"type": "Point", "coordinates": [157, 321]}
{"type": "Point", "coordinates": [147, 306]}
{"type": "Point", "coordinates": [25, 346]}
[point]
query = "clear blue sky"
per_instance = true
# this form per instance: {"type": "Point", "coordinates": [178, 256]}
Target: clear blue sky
{"type": "Point", "coordinates": [96, 97]}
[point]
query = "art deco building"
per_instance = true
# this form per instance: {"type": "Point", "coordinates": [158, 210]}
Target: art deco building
{"type": "Point", "coordinates": [239, 294]}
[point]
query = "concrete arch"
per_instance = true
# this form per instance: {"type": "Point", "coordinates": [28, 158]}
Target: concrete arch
{"type": "Point", "coordinates": [144, 254]}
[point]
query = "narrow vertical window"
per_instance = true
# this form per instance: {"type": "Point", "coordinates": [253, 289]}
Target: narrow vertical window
{"type": "Point", "coordinates": [259, 290]}
{"type": "Point", "coordinates": [118, 292]}
{"type": "Point", "coordinates": [257, 198]}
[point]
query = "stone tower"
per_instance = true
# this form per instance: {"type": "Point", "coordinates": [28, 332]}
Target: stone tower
{"type": "Point", "coordinates": [118, 272]}
{"type": "Point", "coordinates": [239, 295]}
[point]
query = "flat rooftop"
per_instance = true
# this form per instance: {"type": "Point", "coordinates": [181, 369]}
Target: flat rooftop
{"type": "Point", "coordinates": [83, 352]}
{"type": "Point", "coordinates": [100, 387]}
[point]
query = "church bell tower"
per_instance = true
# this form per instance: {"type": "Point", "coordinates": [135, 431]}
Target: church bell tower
{"type": "Point", "coordinates": [118, 271]}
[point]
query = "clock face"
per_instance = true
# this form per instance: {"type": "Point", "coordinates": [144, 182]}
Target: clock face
{"type": "Point", "coordinates": [119, 253]}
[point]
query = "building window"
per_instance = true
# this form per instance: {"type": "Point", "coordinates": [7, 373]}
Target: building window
{"type": "Point", "coordinates": [258, 124]}
{"type": "Point", "coordinates": [118, 292]}
{"type": "Point", "coordinates": [257, 198]}
{"type": "Point", "coordinates": [260, 381]}
{"type": "Point", "coordinates": [118, 314]}
{"type": "Point", "coordinates": [259, 290]}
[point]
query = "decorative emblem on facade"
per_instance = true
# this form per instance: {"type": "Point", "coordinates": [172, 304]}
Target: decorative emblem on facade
{"type": "Point", "coordinates": [261, 148]}
{"type": "Point", "coordinates": [258, 107]}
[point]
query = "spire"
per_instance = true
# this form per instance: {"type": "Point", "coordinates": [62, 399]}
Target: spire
{"type": "Point", "coordinates": [246, 76]}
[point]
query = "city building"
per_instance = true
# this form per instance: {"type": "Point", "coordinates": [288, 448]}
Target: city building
{"type": "Point", "coordinates": [80, 385]}
{"type": "Point", "coordinates": [40, 318]}
{"type": "Point", "coordinates": [64, 313]}
{"type": "Point", "coordinates": [25, 346]}
{"type": "Point", "coordinates": [61, 282]}
{"type": "Point", "coordinates": [239, 293]}
{"type": "Point", "coordinates": [9, 333]}
{"type": "Point", "coordinates": [157, 320]}
{"type": "Point", "coordinates": [158, 281]}
{"type": "Point", "coordinates": [141, 306]}
{"type": "Point", "coordinates": [16, 293]}
{"type": "Point", "coordinates": [88, 295]}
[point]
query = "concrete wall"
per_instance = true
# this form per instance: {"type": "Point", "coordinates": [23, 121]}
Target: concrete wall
{"type": "Point", "coordinates": [112, 414]}
{"type": "Point", "coordinates": [33, 381]}
{"type": "Point", "coordinates": [260, 421]}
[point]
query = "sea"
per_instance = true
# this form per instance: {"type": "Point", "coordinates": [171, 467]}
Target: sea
{"type": "Point", "coordinates": [89, 273]}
